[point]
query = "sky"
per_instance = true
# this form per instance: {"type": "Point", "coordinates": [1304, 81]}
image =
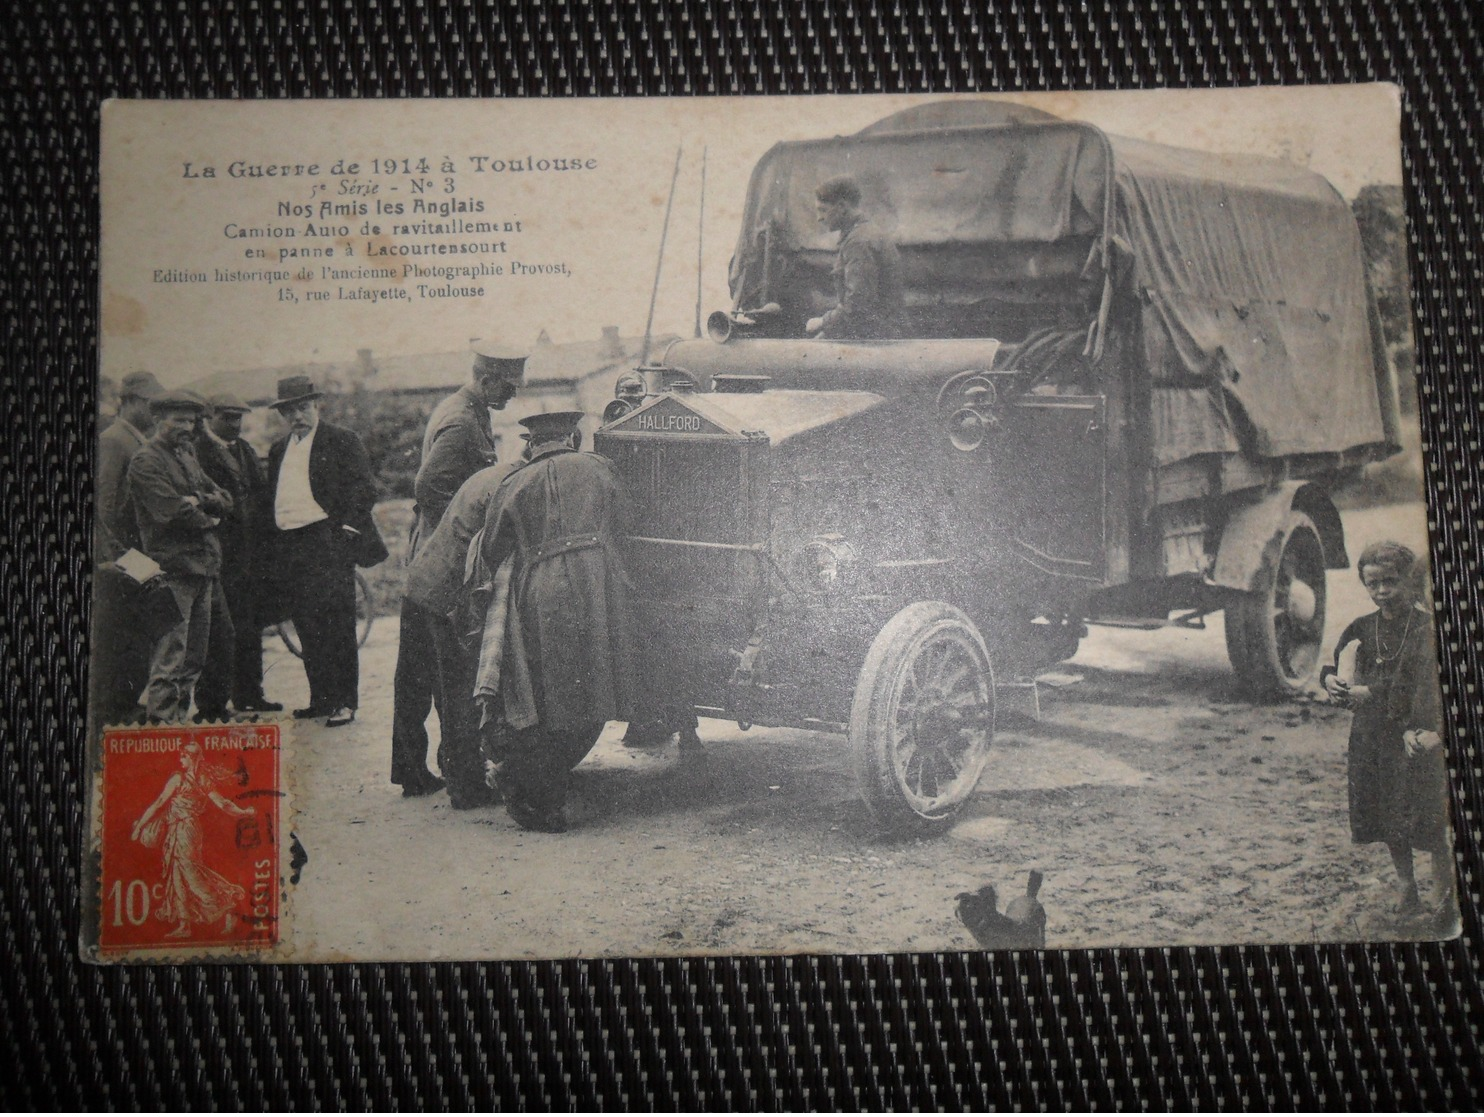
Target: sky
{"type": "Point", "coordinates": [605, 223]}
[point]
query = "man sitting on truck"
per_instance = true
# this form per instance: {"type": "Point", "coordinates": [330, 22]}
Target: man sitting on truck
{"type": "Point", "coordinates": [867, 271]}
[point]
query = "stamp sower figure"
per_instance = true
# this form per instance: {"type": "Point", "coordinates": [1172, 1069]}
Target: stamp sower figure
{"type": "Point", "coordinates": [457, 444]}
{"type": "Point", "coordinates": [867, 271]}
{"type": "Point", "coordinates": [320, 478]}
{"type": "Point", "coordinates": [178, 509]}
{"type": "Point", "coordinates": [557, 662]}
{"type": "Point", "coordinates": [236, 670]}
{"type": "Point", "coordinates": [122, 647]}
{"type": "Point", "coordinates": [194, 892]}
{"type": "Point", "coordinates": [1397, 772]}
{"type": "Point", "coordinates": [435, 586]}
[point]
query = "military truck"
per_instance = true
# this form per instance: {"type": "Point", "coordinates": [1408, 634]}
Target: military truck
{"type": "Point", "coordinates": [1126, 382]}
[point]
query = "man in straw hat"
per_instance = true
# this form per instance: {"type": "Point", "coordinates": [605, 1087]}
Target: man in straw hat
{"type": "Point", "coordinates": [457, 444]}
{"type": "Point", "coordinates": [557, 650]}
{"type": "Point", "coordinates": [320, 478]}
{"type": "Point", "coordinates": [178, 509]}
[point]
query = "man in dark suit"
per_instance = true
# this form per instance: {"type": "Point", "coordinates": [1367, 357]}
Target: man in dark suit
{"type": "Point", "coordinates": [178, 509]}
{"type": "Point", "coordinates": [320, 478]}
{"type": "Point", "coordinates": [457, 444]}
{"type": "Point", "coordinates": [236, 669]}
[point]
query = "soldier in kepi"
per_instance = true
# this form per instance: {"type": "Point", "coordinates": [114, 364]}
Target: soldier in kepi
{"type": "Point", "coordinates": [867, 272]}
{"type": "Point", "coordinates": [556, 655]}
{"type": "Point", "coordinates": [457, 443]}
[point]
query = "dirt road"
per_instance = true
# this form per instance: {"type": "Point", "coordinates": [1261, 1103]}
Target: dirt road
{"type": "Point", "coordinates": [1161, 807]}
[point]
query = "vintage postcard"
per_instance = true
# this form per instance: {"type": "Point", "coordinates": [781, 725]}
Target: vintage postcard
{"type": "Point", "coordinates": [731, 526]}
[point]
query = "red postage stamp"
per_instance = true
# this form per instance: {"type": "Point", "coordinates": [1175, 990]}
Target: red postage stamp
{"type": "Point", "coordinates": [190, 840]}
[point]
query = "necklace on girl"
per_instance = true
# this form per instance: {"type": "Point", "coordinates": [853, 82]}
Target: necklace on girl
{"type": "Point", "coordinates": [1382, 655]}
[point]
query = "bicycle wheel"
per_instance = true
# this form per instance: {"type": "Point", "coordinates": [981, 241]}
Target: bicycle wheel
{"type": "Point", "coordinates": [365, 616]}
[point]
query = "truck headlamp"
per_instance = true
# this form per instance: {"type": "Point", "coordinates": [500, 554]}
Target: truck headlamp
{"type": "Point", "coordinates": [616, 410]}
{"type": "Point", "coordinates": [828, 560]}
{"type": "Point", "coordinates": [630, 388]}
{"type": "Point", "coordinates": [628, 393]}
{"type": "Point", "coordinates": [966, 429]}
{"type": "Point", "coordinates": [976, 415]}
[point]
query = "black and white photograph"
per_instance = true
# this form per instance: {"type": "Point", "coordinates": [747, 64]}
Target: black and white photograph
{"type": "Point", "coordinates": [781, 525]}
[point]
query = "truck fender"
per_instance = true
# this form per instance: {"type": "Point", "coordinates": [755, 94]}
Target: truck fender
{"type": "Point", "coordinates": [1253, 534]}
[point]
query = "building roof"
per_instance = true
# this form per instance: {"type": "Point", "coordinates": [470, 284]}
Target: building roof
{"type": "Point", "coordinates": [259, 386]}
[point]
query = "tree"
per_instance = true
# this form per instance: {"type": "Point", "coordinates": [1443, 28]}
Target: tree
{"type": "Point", "coordinates": [1383, 238]}
{"type": "Point", "coordinates": [1380, 213]}
{"type": "Point", "coordinates": [392, 429]}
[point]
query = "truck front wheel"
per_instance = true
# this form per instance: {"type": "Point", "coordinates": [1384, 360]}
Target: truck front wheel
{"type": "Point", "coordinates": [1275, 632]}
{"type": "Point", "coordinates": [922, 720]}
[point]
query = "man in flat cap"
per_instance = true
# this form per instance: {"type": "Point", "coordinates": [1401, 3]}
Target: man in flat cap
{"type": "Point", "coordinates": [457, 444]}
{"type": "Point", "coordinates": [867, 272]}
{"type": "Point", "coordinates": [122, 645]}
{"type": "Point", "coordinates": [236, 670]}
{"type": "Point", "coordinates": [558, 647]}
{"type": "Point", "coordinates": [319, 476]}
{"type": "Point", "coordinates": [178, 509]}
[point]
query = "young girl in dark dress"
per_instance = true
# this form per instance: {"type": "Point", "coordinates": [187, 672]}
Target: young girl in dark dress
{"type": "Point", "coordinates": [1398, 776]}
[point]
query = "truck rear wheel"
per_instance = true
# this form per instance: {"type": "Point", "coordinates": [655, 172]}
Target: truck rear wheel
{"type": "Point", "coordinates": [1275, 633]}
{"type": "Point", "coordinates": [922, 720]}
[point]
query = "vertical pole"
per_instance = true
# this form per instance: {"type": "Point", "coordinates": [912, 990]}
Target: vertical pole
{"type": "Point", "coordinates": [701, 242]}
{"type": "Point", "coordinates": [660, 263]}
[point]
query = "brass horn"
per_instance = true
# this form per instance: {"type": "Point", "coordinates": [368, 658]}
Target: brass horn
{"type": "Point", "coordinates": [724, 325]}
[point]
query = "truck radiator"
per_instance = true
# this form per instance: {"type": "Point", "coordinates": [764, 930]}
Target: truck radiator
{"type": "Point", "coordinates": [693, 528]}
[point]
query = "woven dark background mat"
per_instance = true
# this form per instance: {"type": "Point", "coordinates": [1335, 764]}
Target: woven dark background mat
{"type": "Point", "coordinates": [1389, 1026]}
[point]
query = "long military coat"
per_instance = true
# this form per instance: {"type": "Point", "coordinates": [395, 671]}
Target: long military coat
{"type": "Point", "coordinates": [558, 516]}
{"type": "Point", "coordinates": [457, 444]}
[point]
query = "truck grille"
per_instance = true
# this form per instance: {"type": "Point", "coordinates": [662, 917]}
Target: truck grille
{"type": "Point", "coordinates": [693, 525]}
{"type": "Point", "coordinates": [695, 550]}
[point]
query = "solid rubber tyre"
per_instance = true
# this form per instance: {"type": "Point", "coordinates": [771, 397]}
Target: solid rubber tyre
{"type": "Point", "coordinates": [922, 720]}
{"type": "Point", "coordinates": [1275, 631]}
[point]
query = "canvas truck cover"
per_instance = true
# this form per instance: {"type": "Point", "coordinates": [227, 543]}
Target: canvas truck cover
{"type": "Point", "coordinates": [1258, 332]}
